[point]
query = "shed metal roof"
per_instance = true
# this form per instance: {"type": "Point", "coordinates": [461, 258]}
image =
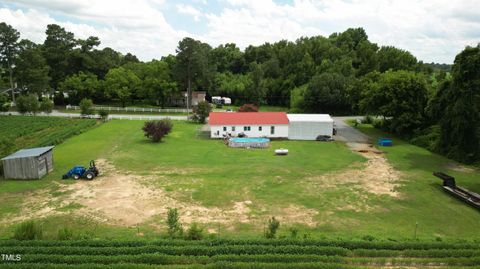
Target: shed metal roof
{"type": "Point", "coordinates": [309, 118]}
{"type": "Point", "coordinates": [33, 152]}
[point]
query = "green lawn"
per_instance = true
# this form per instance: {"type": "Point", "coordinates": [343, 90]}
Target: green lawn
{"type": "Point", "coordinates": [207, 173]}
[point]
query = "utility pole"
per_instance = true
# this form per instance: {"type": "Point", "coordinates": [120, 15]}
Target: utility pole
{"type": "Point", "coordinates": [10, 68]}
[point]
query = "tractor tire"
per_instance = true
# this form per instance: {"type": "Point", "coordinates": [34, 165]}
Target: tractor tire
{"type": "Point", "coordinates": [76, 176]}
{"type": "Point", "coordinates": [89, 175]}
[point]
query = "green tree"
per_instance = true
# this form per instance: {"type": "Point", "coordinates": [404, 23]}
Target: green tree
{"type": "Point", "coordinates": [121, 83]}
{"type": "Point", "coordinates": [4, 102]}
{"type": "Point", "coordinates": [255, 90]}
{"type": "Point", "coordinates": [327, 93]}
{"type": "Point", "coordinates": [8, 50]}
{"type": "Point", "coordinates": [273, 225]}
{"type": "Point", "coordinates": [391, 58]}
{"type": "Point", "coordinates": [28, 104]}
{"type": "Point", "coordinates": [201, 111]}
{"type": "Point", "coordinates": [32, 70]}
{"type": "Point", "coordinates": [57, 50]}
{"type": "Point", "coordinates": [80, 86]}
{"type": "Point", "coordinates": [46, 105]}
{"type": "Point", "coordinates": [86, 107]}
{"type": "Point", "coordinates": [173, 223]}
{"type": "Point", "coordinates": [192, 67]}
{"type": "Point", "coordinates": [400, 97]}
{"type": "Point", "coordinates": [460, 119]}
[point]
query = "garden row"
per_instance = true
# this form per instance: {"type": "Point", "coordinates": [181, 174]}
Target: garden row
{"type": "Point", "coordinates": [26, 131]}
{"type": "Point", "coordinates": [237, 254]}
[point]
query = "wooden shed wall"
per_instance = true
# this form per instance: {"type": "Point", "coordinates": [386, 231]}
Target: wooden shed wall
{"type": "Point", "coordinates": [28, 167]}
{"type": "Point", "coordinates": [21, 168]}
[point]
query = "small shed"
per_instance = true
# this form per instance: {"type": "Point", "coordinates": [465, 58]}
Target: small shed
{"type": "Point", "coordinates": [309, 126]}
{"type": "Point", "coordinates": [31, 163]}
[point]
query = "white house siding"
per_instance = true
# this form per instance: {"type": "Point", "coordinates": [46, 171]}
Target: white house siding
{"type": "Point", "coordinates": [281, 130]}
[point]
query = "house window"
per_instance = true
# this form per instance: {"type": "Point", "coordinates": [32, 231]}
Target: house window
{"type": "Point", "coordinates": [218, 132]}
{"type": "Point", "coordinates": [246, 128]}
{"type": "Point", "coordinates": [272, 130]}
{"type": "Point", "coordinates": [224, 128]}
{"type": "Point", "coordinates": [259, 128]}
{"type": "Point", "coordinates": [233, 128]}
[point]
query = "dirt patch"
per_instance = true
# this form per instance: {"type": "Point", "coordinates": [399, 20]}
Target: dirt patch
{"type": "Point", "coordinates": [125, 199]}
{"type": "Point", "coordinates": [376, 177]}
{"type": "Point", "coordinates": [459, 168]}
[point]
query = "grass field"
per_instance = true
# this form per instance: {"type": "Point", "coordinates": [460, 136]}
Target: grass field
{"type": "Point", "coordinates": [234, 191]}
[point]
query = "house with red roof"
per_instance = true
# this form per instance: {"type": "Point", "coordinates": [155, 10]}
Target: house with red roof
{"type": "Point", "coordinates": [252, 124]}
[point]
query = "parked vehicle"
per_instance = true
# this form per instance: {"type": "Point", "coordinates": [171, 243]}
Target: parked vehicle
{"type": "Point", "coordinates": [78, 172]}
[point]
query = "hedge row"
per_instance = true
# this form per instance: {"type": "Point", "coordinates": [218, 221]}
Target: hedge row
{"type": "Point", "coordinates": [179, 250]}
{"type": "Point", "coordinates": [218, 265]}
{"type": "Point", "coordinates": [262, 242]}
{"type": "Point", "coordinates": [172, 259]}
{"type": "Point", "coordinates": [418, 253]}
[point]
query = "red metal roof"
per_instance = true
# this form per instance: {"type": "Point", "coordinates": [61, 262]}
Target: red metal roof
{"type": "Point", "coordinates": [251, 118]}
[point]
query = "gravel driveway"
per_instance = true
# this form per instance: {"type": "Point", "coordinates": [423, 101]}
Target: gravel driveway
{"type": "Point", "coordinates": [347, 133]}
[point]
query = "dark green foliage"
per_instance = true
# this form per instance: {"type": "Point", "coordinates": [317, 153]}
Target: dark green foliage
{"type": "Point", "coordinates": [156, 130]}
{"type": "Point", "coordinates": [194, 232]}
{"type": "Point", "coordinates": [460, 121]}
{"type": "Point", "coordinates": [28, 104]}
{"type": "Point", "coordinates": [65, 234]}
{"type": "Point", "coordinates": [46, 105]}
{"type": "Point", "coordinates": [103, 114]}
{"type": "Point", "coordinates": [4, 102]}
{"type": "Point", "coordinates": [173, 223]}
{"type": "Point", "coordinates": [28, 230]}
{"type": "Point", "coordinates": [86, 107]}
{"type": "Point", "coordinates": [391, 58]}
{"type": "Point", "coordinates": [400, 97]}
{"type": "Point", "coordinates": [272, 227]}
{"type": "Point", "coordinates": [201, 111]}
{"type": "Point", "coordinates": [32, 70]}
{"type": "Point", "coordinates": [327, 93]}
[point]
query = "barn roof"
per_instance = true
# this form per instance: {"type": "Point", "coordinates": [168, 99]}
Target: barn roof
{"type": "Point", "coordinates": [33, 152]}
{"type": "Point", "coordinates": [243, 118]}
{"type": "Point", "coordinates": [309, 118]}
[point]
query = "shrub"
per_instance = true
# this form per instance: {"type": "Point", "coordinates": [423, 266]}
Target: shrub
{"type": "Point", "coordinates": [46, 106]}
{"type": "Point", "coordinates": [367, 119]}
{"type": "Point", "coordinates": [59, 99]}
{"type": "Point", "coordinates": [273, 226]}
{"type": "Point", "coordinates": [65, 234]}
{"type": "Point", "coordinates": [27, 103]}
{"type": "Point", "coordinates": [194, 232]}
{"type": "Point", "coordinates": [103, 114]}
{"type": "Point", "coordinates": [201, 111]}
{"type": "Point", "coordinates": [173, 223]}
{"type": "Point", "coordinates": [248, 108]}
{"type": "Point", "coordinates": [156, 130]}
{"type": "Point", "coordinates": [293, 232]}
{"type": "Point", "coordinates": [86, 107]}
{"type": "Point", "coordinates": [28, 230]}
{"type": "Point", "coordinates": [4, 102]}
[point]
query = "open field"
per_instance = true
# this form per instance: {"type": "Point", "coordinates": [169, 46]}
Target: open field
{"type": "Point", "coordinates": [322, 189]}
{"type": "Point", "coordinates": [240, 254]}
{"type": "Point", "coordinates": [17, 132]}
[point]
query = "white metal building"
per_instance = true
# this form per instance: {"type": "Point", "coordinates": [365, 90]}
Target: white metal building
{"type": "Point", "coordinates": [309, 126]}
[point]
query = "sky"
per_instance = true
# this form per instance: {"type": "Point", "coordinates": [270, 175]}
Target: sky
{"type": "Point", "coordinates": [432, 30]}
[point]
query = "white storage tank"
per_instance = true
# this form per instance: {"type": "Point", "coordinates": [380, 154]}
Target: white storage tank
{"type": "Point", "coordinates": [309, 126]}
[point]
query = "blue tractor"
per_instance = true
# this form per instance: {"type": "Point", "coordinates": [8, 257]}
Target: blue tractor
{"type": "Point", "coordinates": [78, 172]}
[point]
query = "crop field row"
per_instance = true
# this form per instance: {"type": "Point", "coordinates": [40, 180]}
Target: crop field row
{"type": "Point", "coordinates": [239, 254]}
{"type": "Point", "coordinates": [25, 131]}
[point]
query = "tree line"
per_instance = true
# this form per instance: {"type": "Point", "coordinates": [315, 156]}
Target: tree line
{"type": "Point", "coordinates": [433, 105]}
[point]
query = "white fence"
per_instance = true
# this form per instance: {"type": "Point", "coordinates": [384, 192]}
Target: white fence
{"type": "Point", "coordinates": [135, 109]}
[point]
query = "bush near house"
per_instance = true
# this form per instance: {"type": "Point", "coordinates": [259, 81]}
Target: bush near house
{"type": "Point", "coordinates": [156, 130]}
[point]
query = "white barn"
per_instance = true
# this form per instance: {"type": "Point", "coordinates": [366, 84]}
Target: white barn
{"type": "Point", "coordinates": [252, 124]}
{"type": "Point", "coordinates": [309, 126]}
